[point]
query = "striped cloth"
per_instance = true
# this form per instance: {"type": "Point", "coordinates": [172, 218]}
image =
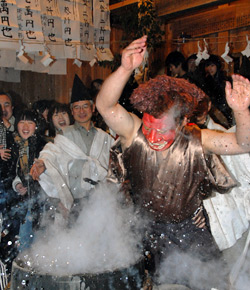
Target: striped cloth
{"type": "Point", "coordinates": [3, 276]}
{"type": "Point", "coordinates": [3, 135]}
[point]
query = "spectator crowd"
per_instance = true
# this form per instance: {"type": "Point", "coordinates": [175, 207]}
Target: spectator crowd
{"type": "Point", "coordinates": [38, 143]}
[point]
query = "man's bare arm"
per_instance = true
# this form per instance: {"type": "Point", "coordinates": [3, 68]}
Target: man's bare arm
{"type": "Point", "coordinates": [238, 99]}
{"type": "Point", "coordinates": [116, 117]}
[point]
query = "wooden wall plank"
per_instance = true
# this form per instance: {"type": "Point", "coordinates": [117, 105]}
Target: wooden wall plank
{"type": "Point", "coordinates": [122, 4]}
{"type": "Point", "coordinates": [170, 7]}
{"type": "Point", "coordinates": [223, 18]}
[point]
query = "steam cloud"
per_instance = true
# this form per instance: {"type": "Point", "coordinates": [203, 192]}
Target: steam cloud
{"type": "Point", "coordinates": [188, 270]}
{"type": "Point", "coordinates": [105, 237]}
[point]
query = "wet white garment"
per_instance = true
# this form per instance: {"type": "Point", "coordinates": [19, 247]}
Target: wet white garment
{"type": "Point", "coordinates": [60, 156]}
{"type": "Point", "coordinates": [229, 213]}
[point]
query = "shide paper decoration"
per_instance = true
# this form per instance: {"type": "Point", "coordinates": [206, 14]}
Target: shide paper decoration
{"type": "Point", "coordinates": [225, 55]}
{"type": "Point", "coordinates": [246, 51]}
{"type": "Point", "coordinates": [202, 54]}
{"type": "Point", "coordinates": [50, 31]}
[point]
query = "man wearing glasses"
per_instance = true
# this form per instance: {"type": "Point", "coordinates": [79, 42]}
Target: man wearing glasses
{"type": "Point", "coordinates": [69, 168]}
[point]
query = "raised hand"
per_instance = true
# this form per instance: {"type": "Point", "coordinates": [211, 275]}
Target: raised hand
{"type": "Point", "coordinates": [132, 55]}
{"type": "Point", "coordinates": [238, 97]}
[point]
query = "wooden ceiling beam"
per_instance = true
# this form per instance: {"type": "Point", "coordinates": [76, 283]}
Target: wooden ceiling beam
{"type": "Point", "coordinates": [122, 4]}
{"type": "Point", "coordinates": [173, 8]}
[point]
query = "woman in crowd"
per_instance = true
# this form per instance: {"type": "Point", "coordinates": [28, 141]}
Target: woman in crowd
{"type": "Point", "coordinates": [23, 202]}
{"type": "Point", "coordinates": [214, 85]}
{"type": "Point", "coordinates": [28, 142]}
{"type": "Point", "coordinates": [59, 116]}
{"type": "Point", "coordinates": [23, 206]}
{"type": "Point", "coordinates": [42, 108]}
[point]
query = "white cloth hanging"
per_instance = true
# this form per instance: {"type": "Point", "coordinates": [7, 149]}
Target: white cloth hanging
{"type": "Point", "coordinates": [205, 54]}
{"type": "Point", "coordinates": [229, 213]}
{"type": "Point", "coordinates": [225, 55]}
{"type": "Point", "coordinates": [198, 55]}
{"type": "Point", "coordinates": [246, 51]}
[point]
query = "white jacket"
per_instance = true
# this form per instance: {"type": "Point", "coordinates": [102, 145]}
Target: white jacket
{"type": "Point", "coordinates": [59, 157]}
{"type": "Point", "coordinates": [229, 213]}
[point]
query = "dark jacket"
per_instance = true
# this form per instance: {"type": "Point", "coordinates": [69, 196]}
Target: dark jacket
{"type": "Point", "coordinates": [16, 204]}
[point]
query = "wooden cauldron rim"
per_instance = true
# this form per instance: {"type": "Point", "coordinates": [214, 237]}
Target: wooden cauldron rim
{"type": "Point", "coordinates": [28, 269]}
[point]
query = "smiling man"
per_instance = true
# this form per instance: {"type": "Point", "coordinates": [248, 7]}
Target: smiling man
{"type": "Point", "coordinates": [8, 121]}
{"type": "Point", "coordinates": [82, 106]}
{"type": "Point", "coordinates": [78, 159]}
{"type": "Point", "coordinates": [7, 108]}
{"type": "Point", "coordinates": [170, 163]}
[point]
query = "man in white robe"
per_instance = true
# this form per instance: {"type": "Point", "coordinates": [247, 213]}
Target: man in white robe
{"type": "Point", "coordinates": [69, 168]}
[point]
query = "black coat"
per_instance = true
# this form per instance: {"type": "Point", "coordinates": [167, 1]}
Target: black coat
{"type": "Point", "coordinates": [215, 88]}
{"type": "Point", "coordinates": [17, 205]}
{"type": "Point", "coordinates": [14, 206]}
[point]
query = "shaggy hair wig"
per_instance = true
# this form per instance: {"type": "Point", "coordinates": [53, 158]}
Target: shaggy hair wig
{"type": "Point", "coordinates": [162, 93]}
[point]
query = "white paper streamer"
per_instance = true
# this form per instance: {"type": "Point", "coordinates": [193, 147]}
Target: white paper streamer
{"type": "Point", "coordinates": [198, 55]}
{"type": "Point", "coordinates": [225, 55]}
{"type": "Point", "coordinates": [60, 24]}
{"type": "Point", "coordinates": [205, 54]}
{"type": "Point", "coordinates": [246, 51]}
{"type": "Point", "coordinates": [92, 62]}
{"type": "Point", "coordinates": [47, 59]}
{"type": "Point", "coordinates": [21, 54]}
{"type": "Point", "coordinates": [77, 62]}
